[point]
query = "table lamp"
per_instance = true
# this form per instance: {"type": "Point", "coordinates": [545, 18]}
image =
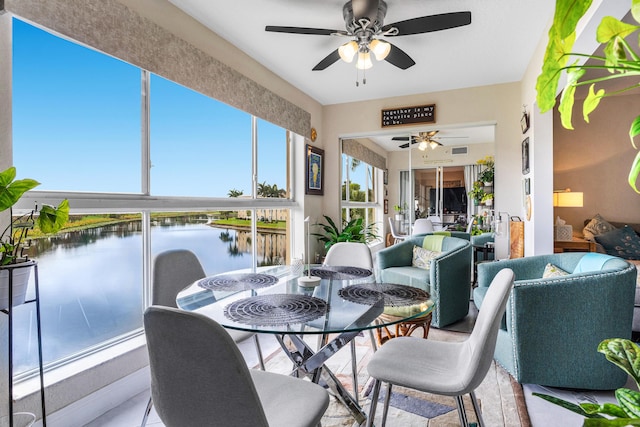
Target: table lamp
{"type": "Point", "coordinates": [566, 199]}
{"type": "Point", "coordinates": [308, 281]}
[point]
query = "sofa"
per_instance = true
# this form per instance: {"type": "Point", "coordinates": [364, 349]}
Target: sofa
{"type": "Point", "coordinates": [447, 279]}
{"type": "Point", "coordinates": [614, 238]}
{"type": "Point", "coordinates": [553, 325]}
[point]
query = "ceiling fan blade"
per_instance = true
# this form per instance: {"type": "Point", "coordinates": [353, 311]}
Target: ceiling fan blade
{"type": "Point", "coordinates": [328, 60]}
{"type": "Point", "coordinates": [427, 24]}
{"type": "Point", "coordinates": [303, 30]}
{"type": "Point", "coordinates": [400, 138]}
{"type": "Point", "coordinates": [404, 145]}
{"type": "Point", "coordinates": [399, 58]}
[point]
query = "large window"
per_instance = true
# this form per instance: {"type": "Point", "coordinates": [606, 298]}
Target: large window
{"type": "Point", "coordinates": [147, 165]}
{"type": "Point", "coordinates": [359, 195]}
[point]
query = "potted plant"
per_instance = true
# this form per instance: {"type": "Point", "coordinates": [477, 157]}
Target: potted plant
{"type": "Point", "coordinates": [400, 211]}
{"type": "Point", "coordinates": [13, 238]}
{"type": "Point", "coordinates": [486, 174]}
{"type": "Point", "coordinates": [352, 231]}
{"type": "Point", "coordinates": [625, 354]}
{"type": "Point", "coordinates": [477, 192]}
{"type": "Point", "coordinates": [487, 199]}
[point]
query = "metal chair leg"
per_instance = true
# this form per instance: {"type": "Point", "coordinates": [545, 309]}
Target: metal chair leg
{"type": "Point", "coordinates": [374, 346]}
{"type": "Point", "coordinates": [147, 411]}
{"type": "Point", "coordinates": [387, 400]}
{"type": "Point", "coordinates": [462, 415]}
{"type": "Point", "coordinates": [354, 369]}
{"type": "Point", "coordinates": [259, 351]}
{"type": "Point", "coordinates": [476, 409]}
{"type": "Point", "coordinates": [374, 403]}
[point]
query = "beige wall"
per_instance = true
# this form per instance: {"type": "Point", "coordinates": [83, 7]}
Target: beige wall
{"type": "Point", "coordinates": [595, 158]}
{"type": "Point", "coordinates": [497, 104]}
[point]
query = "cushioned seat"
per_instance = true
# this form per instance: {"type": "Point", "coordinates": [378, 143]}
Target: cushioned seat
{"type": "Point", "coordinates": [553, 325]}
{"type": "Point", "coordinates": [448, 278]}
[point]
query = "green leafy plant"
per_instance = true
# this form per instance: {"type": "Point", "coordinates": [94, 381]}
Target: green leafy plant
{"type": "Point", "coordinates": [400, 209]}
{"type": "Point", "coordinates": [477, 192]}
{"type": "Point", "coordinates": [487, 173]}
{"type": "Point", "coordinates": [352, 231]}
{"type": "Point", "coordinates": [620, 60]}
{"type": "Point", "coordinates": [49, 219]}
{"type": "Point", "coordinates": [626, 355]}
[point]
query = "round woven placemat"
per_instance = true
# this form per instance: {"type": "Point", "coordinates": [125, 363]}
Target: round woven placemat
{"type": "Point", "coordinates": [394, 295]}
{"type": "Point", "coordinates": [237, 281]}
{"type": "Point", "coordinates": [340, 272]}
{"type": "Point", "coordinates": [276, 309]}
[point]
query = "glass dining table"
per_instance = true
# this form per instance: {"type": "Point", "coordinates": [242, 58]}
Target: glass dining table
{"type": "Point", "coordinates": [345, 302]}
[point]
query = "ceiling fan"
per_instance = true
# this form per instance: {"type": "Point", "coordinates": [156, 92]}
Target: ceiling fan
{"type": "Point", "coordinates": [364, 21]}
{"type": "Point", "coordinates": [424, 139]}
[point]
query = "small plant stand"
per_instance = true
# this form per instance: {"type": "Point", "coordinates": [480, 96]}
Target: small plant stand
{"type": "Point", "coordinates": [9, 312]}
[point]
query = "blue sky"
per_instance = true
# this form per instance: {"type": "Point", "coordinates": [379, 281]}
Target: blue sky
{"type": "Point", "coordinates": [76, 126]}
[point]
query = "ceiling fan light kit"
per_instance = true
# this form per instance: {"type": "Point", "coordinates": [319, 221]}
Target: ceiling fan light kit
{"type": "Point", "coordinates": [364, 22]}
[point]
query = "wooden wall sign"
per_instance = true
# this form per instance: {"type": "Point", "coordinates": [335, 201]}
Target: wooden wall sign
{"type": "Point", "coordinates": [409, 115]}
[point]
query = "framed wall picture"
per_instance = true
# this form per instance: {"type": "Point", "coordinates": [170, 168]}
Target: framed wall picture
{"type": "Point", "coordinates": [315, 171]}
{"type": "Point", "coordinates": [385, 177]}
{"type": "Point", "coordinates": [524, 122]}
{"type": "Point", "coordinates": [525, 156]}
{"type": "Point", "coordinates": [527, 186]}
{"type": "Point", "coordinates": [386, 206]}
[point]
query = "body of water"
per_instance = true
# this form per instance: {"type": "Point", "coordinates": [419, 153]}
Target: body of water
{"type": "Point", "coordinates": [91, 280]}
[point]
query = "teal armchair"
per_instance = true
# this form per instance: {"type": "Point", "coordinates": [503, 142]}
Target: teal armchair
{"type": "Point", "coordinates": [448, 280]}
{"type": "Point", "coordinates": [552, 326]}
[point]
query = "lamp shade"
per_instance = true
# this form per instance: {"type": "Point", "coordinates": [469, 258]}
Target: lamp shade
{"type": "Point", "coordinates": [348, 50]}
{"type": "Point", "coordinates": [364, 61]}
{"type": "Point", "coordinates": [569, 199]}
{"type": "Point", "coordinates": [380, 49]}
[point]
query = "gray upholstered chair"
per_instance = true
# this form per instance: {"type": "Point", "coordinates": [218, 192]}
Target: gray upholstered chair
{"type": "Point", "coordinates": [352, 254]}
{"type": "Point", "coordinates": [553, 325]}
{"type": "Point", "coordinates": [200, 378]}
{"type": "Point", "coordinates": [174, 270]}
{"type": "Point", "coordinates": [438, 367]}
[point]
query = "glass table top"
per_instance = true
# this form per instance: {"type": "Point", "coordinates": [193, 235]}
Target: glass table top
{"type": "Point", "coordinates": [271, 301]}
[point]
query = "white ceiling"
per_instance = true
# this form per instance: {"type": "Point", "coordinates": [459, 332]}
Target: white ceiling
{"type": "Point", "coordinates": [495, 48]}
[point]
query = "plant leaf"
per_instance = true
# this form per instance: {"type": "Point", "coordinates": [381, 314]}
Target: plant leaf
{"type": "Point", "coordinates": [561, 38]}
{"type": "Point", "coordinates": [635, 10]}
{"type": "Point", "coordinates": [591, 102]}
{"type": "Point", "coordinates": [611, 28]}
{"type": "Point", "coordinates": [568, 96]}
{"type": "Point", "coordinates": [634, 172]}
{"type": "Point", "coordinates": [11, 190]}
{"type": "Point", "coordinates": [606, 408]}
{"type": "Point", "coordinates": [629, 401]}
{"type": "Point", "coordinates": [51, 220]}
{"type": "Point", "coordinates": [617, 422]}
{"type": "Point", "coordinates": [624, 354]}
{"type": "Point", "coordinates": [567, 405]}
{"type": "Point", "coordinates": [634, 130]}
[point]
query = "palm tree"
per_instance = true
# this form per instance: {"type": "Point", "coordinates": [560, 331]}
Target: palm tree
{"type": "Point", "coordinates": [235, 193]}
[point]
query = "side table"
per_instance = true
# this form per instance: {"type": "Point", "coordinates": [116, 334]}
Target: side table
{"type": "Point", "coordinates": [575, 245]}
{"type": "Point", "coordinates": [485, 250]}
{"type": "Point", "coordinates": [401, 329]}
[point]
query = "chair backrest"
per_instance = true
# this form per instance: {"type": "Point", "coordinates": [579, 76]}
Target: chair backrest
{"type": "Point", "coordinates": [422, 226]}
{"type": "Point", "coordinates": [437, 222]}
{"type": "Point", "coordinates": [198, 375]}
{"type": "Point", "coordinates": [351, 254]}
{"type": "Point", "coordinates": [482, 341]}
{"type": "Point", "coordinates": [392, 228]}
{"type": "Point", "coordinates": [173, 271]}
